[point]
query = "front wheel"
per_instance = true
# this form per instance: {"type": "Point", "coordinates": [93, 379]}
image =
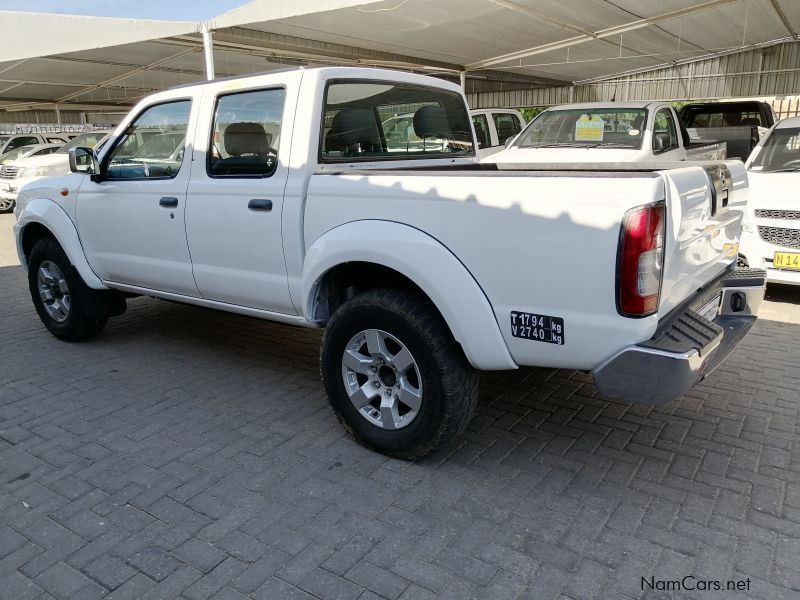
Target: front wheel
{"type": "Point", "coordinates": [395, 376]}
{"type": "Point", "coordinates": [6, 204]}
{"type": "Point", "coordinates": [59, 294]}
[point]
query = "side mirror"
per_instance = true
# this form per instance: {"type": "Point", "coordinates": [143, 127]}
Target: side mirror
{"type": "Point", "coordinates": [660, 142]}
{"type": "Point", "coordinates": [510, 141]}
{"type": "Point", "coordinates": [83, 160]}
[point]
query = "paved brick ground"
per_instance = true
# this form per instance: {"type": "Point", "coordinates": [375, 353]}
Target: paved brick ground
{"type": "Point", "coordinates": [187, 453]}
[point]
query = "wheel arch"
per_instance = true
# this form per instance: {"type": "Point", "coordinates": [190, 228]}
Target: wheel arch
{"type": "Point", "coordinates": [366, 254]}
{"type": "Point", "coordinates": [43, 218]}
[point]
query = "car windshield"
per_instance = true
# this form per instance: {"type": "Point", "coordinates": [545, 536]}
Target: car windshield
{"type": "Point", "coordinates": [780, 152]}
{"type": "Point", "coordinates": [14, 154]}
{"type": "Point", "coordinates": [603, 127]}
{"type": "Point", "coordinates": [84, 140]}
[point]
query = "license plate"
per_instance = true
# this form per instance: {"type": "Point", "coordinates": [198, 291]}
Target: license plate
{"type": "Point", "coordinates": [786, 260]}
{"type": "Point", "coordinates": [710, 309]}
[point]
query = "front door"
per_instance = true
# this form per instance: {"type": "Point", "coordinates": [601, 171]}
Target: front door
{"type": "Point", "coordinates": [665, 136]}
{"type": "Point", "coordinates": [235, 201]}
{"type": "Point", "coordinates": [132, 221]}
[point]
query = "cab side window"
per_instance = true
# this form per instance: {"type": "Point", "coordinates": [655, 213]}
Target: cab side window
{"type": "Point", "coordinates": [507, 126]}
{"type": "Point", "coordinates": [665, 134]}
{"type": "Point", "coordinates": [246, 132]}
{"type": "Point", "coordinates": [481, 130]}
{"type": "Point", "coordinates": [152, 146]}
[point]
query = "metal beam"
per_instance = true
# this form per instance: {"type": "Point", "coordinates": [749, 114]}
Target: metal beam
{"type": "Point", "coordinates": [784, 19]}
{"type": "Point", "coordinates": [208, 52]}
{"type": "Point", "coordinates": [124, 76]}
{"type": "Point", "coordinates": [685, 61]}
{"type": "Point", "coordinates": [281, 47]}
{"type": "Point", "coordinates": [597, 35]}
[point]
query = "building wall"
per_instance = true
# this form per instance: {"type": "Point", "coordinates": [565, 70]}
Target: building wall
{"type": "Point", "coordinates": [771, 71]}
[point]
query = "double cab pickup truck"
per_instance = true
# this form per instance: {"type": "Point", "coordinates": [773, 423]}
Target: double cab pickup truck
{"type": "Point", "coordinates": [277, 196]}
{"type": "Point", "coordinates": [740, 124]}
{"type": "Point", "coordinates": [607, 132]}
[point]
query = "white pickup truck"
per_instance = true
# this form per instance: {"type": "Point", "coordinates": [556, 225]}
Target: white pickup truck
{"type": "Point", "coordinates": [277, 196]}
{"type": "Point", "coordinates": [606, 132]}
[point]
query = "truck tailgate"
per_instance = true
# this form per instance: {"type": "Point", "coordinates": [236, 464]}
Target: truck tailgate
{"type": "Point", "coordinates": [706, 206]}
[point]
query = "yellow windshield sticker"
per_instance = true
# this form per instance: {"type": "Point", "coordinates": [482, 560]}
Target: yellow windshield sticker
{"type": "Point", "coordinates": [589, 128]}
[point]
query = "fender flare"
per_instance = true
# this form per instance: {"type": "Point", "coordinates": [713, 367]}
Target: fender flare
{"type": "Point", "coordinates": [50, 215]}
{"type": "Point", "coordinates": [430, 265]}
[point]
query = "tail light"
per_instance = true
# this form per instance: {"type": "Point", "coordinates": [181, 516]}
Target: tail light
{"type": "Point", "coordinates": [640, 264]}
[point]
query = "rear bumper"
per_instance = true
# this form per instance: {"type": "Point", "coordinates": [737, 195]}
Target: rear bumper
{"type": "Point", "coordinates": [686, 346]}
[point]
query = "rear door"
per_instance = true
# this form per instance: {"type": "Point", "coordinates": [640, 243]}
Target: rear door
{"type": "Point", "coordinates": [235, 196]}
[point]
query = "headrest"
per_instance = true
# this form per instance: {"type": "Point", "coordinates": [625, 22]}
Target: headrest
{"type": "Point", "coordinates": [750, 121]}
{"type": "Point", "coordinates": [637, 122]}
{"type": "Point", "coordinates": [352, 126]}
{"type": "Point", "coordinates": [246, 138]}
{"type": "Point", "coordinates": [431, 122]}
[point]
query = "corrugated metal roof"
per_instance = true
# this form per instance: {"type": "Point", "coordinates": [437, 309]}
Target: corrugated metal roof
{"type": "Point", "coordinates": [517, 45]}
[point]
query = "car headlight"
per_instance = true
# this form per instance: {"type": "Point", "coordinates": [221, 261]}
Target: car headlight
{"type": "Point", "coordinates": [37, 171]}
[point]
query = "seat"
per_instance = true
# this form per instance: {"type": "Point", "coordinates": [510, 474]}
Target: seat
{"type": "Point", "coordinates": [248, 149]}
{"type": "Point", "coordinates": [638, 122]}
{"type": "Point", "coordinates": [751, 121]}
{"type": "Point", "coordinates": [431, 122]}
{"type": "Point", "coordinates": [354, 132]}
{"type": "Point", "coordinates": [505, 130]}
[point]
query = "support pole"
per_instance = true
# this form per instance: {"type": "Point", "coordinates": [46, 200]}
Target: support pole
{"type": "Point", "coordinates": [58, 117]}
{"type": "Point", "coordinates": [208, 52]}
{"type": "Point", "coordinates": [463, 78]}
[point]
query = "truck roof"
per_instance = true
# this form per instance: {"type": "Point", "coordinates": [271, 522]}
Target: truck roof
{"type": "Point", "coordinates": [333, 73]}
{"type": "Point", "coordinates": [608, 104]}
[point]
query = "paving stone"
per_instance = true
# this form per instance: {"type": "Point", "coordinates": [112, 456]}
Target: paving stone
{"type": "Point", "coordinates": [192, 454]}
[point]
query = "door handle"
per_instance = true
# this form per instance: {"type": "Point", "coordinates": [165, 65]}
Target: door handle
{"type": "Point", "coordinates": [259, 204]}
{"type": "Point", "coordinates": [168, 201]}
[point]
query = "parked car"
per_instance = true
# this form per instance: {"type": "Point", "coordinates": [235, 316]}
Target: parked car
{"type": "Point", "coordinates": [26, 151]}
{"type": "Point", "coordinates": [606, 132]}
{"type": "Point", "coordinates": [17, 172]}
{"type": "Point", "coordinates": [422, 266]}
{"type": "Point", "coordinates": [9, 142]}
{"type": "Point", "coordinates": [494, 127]}
{"type": "Point", "coordinates": [771, 237]}
{"type": "Point", "coordinates": [739, 124]}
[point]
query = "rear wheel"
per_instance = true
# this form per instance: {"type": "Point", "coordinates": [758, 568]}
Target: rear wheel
{"type": "Point", "coordinates": [394, 374]}
{"type": "Point", "coordinates": [62, 300]}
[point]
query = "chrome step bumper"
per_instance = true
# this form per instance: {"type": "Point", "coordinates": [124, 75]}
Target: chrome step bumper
{"type": "Point", "coordinates": [686, 346]}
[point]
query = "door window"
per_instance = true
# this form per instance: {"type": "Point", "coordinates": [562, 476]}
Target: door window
{"type": "Point", "coordinates": [152, 146]}
{"type": "Point", "coordinates": [507, 126]}
{"type": "Point", "coordinates": [44, 151]}
{"type": "Point", "coordinates": [246, 132]}
{"type": "Point", "coordinates": [665, 136]}
{"type": "Point", "coordinates": [481, 124]}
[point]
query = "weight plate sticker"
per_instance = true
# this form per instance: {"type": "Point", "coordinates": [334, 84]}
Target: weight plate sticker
{"type": "Point", "coordinates": [539, 328]}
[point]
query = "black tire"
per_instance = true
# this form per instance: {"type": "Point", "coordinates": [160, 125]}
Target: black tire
{"type": "Point", "coordinates": [449, 383]}
{"type": "Point", "coordinates": [82, 321]}
{"type": "Point", "coordinates": [8, 209]}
